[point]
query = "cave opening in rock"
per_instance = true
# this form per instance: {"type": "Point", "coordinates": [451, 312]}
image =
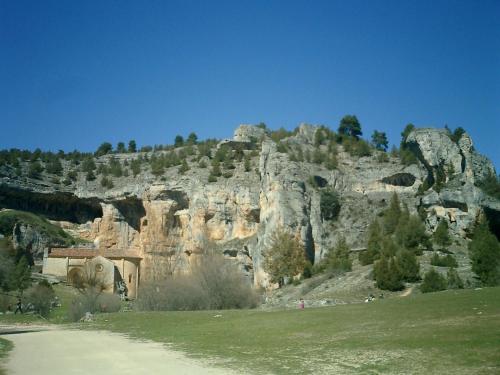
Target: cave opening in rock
{"type": "Point", "coordinates": [493, 217]}
{"type": "Point", "coordinates": [132, 210]}
{"type": "Point", "coordinates": [55, 206]}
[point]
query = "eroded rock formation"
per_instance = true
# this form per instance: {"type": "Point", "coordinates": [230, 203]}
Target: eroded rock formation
{"type": "Point", "coordinates": [238, 214]}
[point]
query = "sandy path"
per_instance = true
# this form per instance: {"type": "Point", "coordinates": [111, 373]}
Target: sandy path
{"type": "Point", "coordinates": [61, 351]}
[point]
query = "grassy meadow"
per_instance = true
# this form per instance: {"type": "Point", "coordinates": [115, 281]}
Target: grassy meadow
{"type": "Point", "coordinates": [5, 346]}
{"type": "Point", "coordinates": [456, 332]}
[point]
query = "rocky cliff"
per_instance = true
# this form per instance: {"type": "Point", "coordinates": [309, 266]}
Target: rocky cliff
{"type": "Point", "coordinates": [266, 187]}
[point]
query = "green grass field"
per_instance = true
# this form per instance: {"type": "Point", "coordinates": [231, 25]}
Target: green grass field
{"type": "Point", "coordinates": [5, 346]}
{"type": "Point", "coordinates": [455, 332]}
{"type": "Point", "coordinates": [58, 315]}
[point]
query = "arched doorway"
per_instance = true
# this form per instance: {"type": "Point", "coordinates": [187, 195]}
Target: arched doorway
{"type": "Point", "coordinates": [75, 275]}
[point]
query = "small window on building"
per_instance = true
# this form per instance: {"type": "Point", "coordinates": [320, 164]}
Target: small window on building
{"type": "Point", "coordinates": [99, 267]}
{"type": "Point", "coordinates": [129, 277]}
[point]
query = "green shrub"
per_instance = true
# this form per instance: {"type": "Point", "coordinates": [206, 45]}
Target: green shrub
{"type": "Point", "coordinates": [387, 274]}
{"type": "Point", "coordinates": [72, 175]}
{"type": "Point", "coordinates": [484, 250]}
{"type": "Point", "coordinates": [374, 244]}
{"type": "Point", "coordinates": [391, 215]}
{"type": "Point", "coordinates": [184, 167]}
{"type": "Point", "coordinates": [454, 280]}
{"type": "Point", "coordinates": [135, 166]}
{"type": "Point", "coordinates": [318, 157]}
{"type": "Point", "coordinates": [212, 178]}
{"type": "Point", "coordinates": [382, 157]}
{"type": "Point", "coordinates": [247, 164]}
{"type": "Point", "coordinates": [90, 176]}
{"type": "Point", "coordinates": [491, 185]}
{"type": "Point", "coordinates": [54, 166]}
{"type": "Point", "coordinates": [337, 259]}
{"type": "Point", "coordinates": [329, 204]}
{"type": "Point", "coordinates": [331, 162]}
{"type": "Point", "coordinates": [444, 261]}
{"type": "Point", "coordinates": [408, 265]}
{"type": "Point", "coordinates": [35, 170]}
{"type": "Point", "coordinates": [433, 282]}
{"type": "Point", "coordinates": [41, 297]}
{"type": "Point", "coordinates": [88, 165]}
{"type": "Point", "coordinates": [115, 167]}
{"type": "Point", "coordinates": [107, 183]}
{"type": "Point", "coordinates": [282, 147]}
{"type": "Point", "coordinates": [441, 236]}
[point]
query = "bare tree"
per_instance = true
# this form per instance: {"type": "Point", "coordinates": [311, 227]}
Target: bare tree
{"type": "Point", "coordinates": [90, 283]}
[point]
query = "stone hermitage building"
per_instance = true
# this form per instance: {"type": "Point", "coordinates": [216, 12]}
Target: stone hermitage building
{"type": "Point", "coordinates": [117, 267]}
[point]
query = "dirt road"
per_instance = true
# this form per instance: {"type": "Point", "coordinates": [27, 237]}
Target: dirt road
{"type": "Point", "coordinates": [59, 351]}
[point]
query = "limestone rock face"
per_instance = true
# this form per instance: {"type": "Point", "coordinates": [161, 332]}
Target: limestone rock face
{"type": "Point", "coordinates": [477, 166]}
{"type": "Point", "coordinates": [460, 201]}
{"type": "Point", "coordinates": [436, 148]}
{"type": "Point", "coordinates": [237, 214]}
{"type": "Point", "coordinates": [245, 133]}
{"type": "Point", "coordinates": [25, 236]}
{"type": "Point", "coordinates": [284, 202]}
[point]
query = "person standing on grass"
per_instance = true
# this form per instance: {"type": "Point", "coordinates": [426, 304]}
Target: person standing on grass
{"type": "Point", "coordinates": [301, 304]}
{"type": "Point", "coordinates": [19, 306]}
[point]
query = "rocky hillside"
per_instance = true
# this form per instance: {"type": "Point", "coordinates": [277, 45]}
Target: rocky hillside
{"type": "Point", "coordinates": [235, 193]}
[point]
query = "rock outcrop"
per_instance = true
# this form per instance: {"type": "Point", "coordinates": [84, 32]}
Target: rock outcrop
{"type": "Point", "coordinates": [459, 167]}
{"type": "Point", "coordinates": [238, 213]}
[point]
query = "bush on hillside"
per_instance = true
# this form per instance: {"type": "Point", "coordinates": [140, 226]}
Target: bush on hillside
{"type": "Point", "coordinates": [387, 274]}
{"type": "Point", "coordinates": [484, 250]}
{"type": "Point", "coordinates": [441, 236]}
{"type": "Point", "coordinates": [337, 259]}
{"type": "Point", "coordinates": [374, 245]}
{"type": "Point", "coordinates": [444, 261]}
{"type": "Point", "coordinates": [329, 204]}
{"type": "Point", "coordinates": [454, 280]}
{"type": "Point", "coordinates": [433, 282]}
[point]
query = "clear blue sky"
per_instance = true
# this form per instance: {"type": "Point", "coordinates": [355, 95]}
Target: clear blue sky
{"type": "Point", "coordinates": [76, 73]}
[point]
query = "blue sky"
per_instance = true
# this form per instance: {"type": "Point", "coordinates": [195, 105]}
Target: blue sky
{"type": "Point", "coordinates": [76, 73]}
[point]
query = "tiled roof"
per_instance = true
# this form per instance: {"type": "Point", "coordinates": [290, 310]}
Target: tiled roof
{"type": "Point", "coordinates": [75, 252]}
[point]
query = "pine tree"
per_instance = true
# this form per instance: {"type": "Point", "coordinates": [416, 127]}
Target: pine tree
{"type": "Point", "coordinates": [349, 125]}
{"type": "Point", "coordinates": [379, 140]}
{"type": "Point", "coordinates": [410, 234]}
{"type": "Point", "coordinates": [374, 245]}
{"type": "Point", "coordinates": [391, 215]}
{"type": "Point", "coordinates": [484, 252]}
{"type": "Point", "coordinates": [132, 146]}
{"type": "Point", "coordinates": [408, 266]}
{"type": "Point", "coordinates": [441, 236]}
{"type": "Point", "coordinates": [387, 274]}
{"type": "Point", "coordinates": [337, 259]}
{"type": "Point", "coordinates": [21, 277]}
